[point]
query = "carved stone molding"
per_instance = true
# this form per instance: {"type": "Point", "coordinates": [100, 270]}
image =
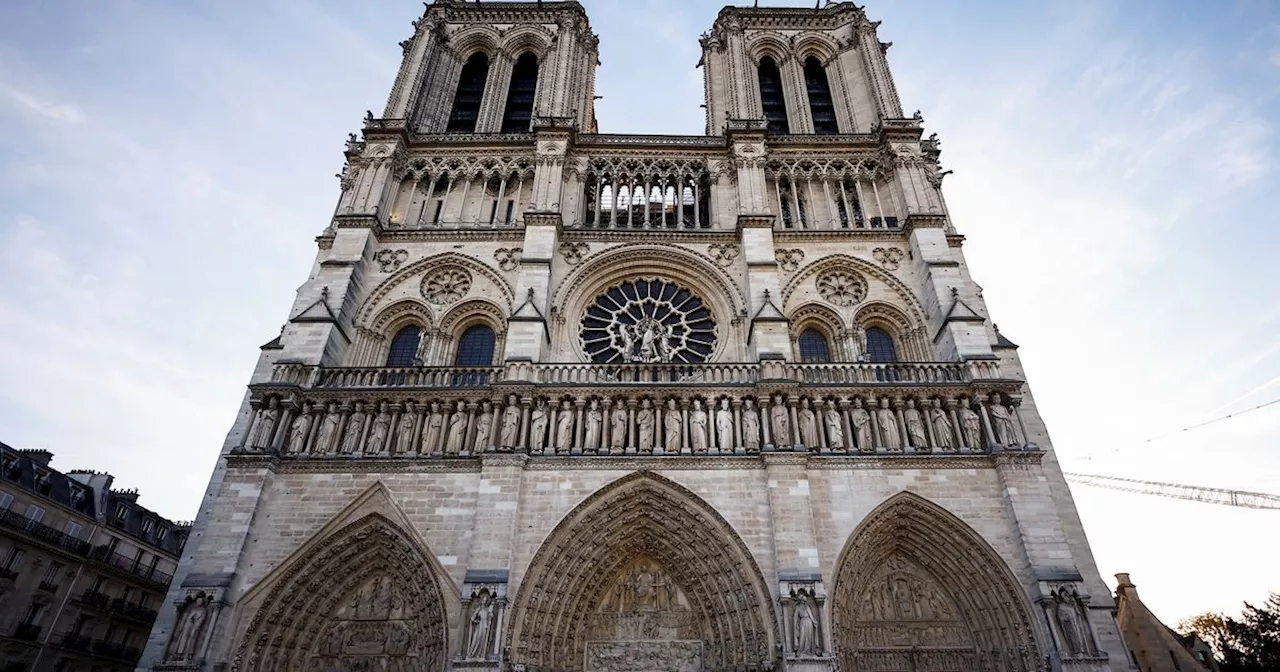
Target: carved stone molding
{"type": "Point", "coordinates": [789, 260]}
{"type": "Point", "coordinates": [723, 254]}
{"type": "Point", "coordinates": [889, 257]}
{"type": "Point", "coordinates": [842, 287]}
{"type": "Point", "coordinates": [508, 258]}
{"type": "Point", "coordinates": [390, 260]}
{"type": "Point", "coordinates": [574, 252]}
{"type": "Point", "coordinates": [446, 285]}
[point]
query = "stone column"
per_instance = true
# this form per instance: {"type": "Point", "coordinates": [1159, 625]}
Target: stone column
{"type": "Point", "coordinates": [633, 432]}
{"type": "Point", "coordinates": [580, 428]}
{"type": "Point", "coordinates": [961, 446]}
{"type": "Point", "coordinates": [850, 444]}
{"type": "Point", "coordinates": [739, 443]}
{"type": "Point", "coordinates": [990, 437]}
{"type": "Point", "coordinates": [281, 432]}
{"type": "Point", "coordinates": [659, 428]}
{"type": "Point", "coordinates": [685, 444]}
{"type": "Point", "coordinates": [876, 439]}
{"type": "Point", "coordinates": [795, 426]}
{"type": "Point", "coordinates": [468, 438]}
{"type": "Point", "coordinates": [897, 404]}
{"type": "Point", "coordinates": [522, 440]}
{"type": "Point", "coordinates": [765, 430]}
{"type": "Point", "coordinates": [606, 426]}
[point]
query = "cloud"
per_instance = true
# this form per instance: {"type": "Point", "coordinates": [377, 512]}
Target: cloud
{"type": "Point", "coordinates": [66, 113]}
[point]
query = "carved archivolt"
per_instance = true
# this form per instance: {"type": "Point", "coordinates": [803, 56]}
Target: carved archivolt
{"type": "Point", "coordinates": [404, 281]}
{"type": "Point", "coordinates": [916, 588]}
{"type": "Point", "coordinates": [844, 262]}
{"type": "Point", "coordinates": [643, 568]}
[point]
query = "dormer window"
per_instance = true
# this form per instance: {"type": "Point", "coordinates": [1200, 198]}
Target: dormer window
{"type": "Point", "coordinates": [147, 526]}
{"type": "Point", "coordinates": [161, 534]}
{"type": "Point", "coordinates": [121, 514]}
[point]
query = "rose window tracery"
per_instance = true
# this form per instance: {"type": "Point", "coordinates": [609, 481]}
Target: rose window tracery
{"type": "Point", "coordinates": [648, 320]}
{"type": "Point", "coordinates": [842, 287]}
{"type": "Point", "coordinates": [446, 286]}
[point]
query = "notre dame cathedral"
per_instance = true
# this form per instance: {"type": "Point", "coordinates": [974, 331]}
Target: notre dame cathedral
{"type": "Point", "coordinates": [555, 399]}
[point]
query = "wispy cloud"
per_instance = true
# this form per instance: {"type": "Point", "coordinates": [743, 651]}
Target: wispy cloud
{"type": "Point", "coordinates": [66, 113]}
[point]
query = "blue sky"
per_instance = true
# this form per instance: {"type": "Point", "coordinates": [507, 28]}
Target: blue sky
{"type": "Point", "coordinates": [165, 166]}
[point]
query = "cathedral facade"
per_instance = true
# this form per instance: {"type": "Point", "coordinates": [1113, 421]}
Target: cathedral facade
{"type": "Point", "coordinates": [553, 399]}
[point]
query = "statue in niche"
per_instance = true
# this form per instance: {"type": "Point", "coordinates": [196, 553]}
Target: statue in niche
{"type": "Point", "coordinates": [262, 430]}
{"type": "Point", "coordinates": [724, 426]}
{"type": "Point", "coordinates": [564, 428]}
{"type": "Point", "coordinates": [644, 427]}
{"type": "Point", "coordinates": [378, 434]}
{"type": "Point", "coordinates": [627, 338]}
{"type": "Point", "coordinates": [538, 426]}
{"type": "Point", "coordinates": [481, 624]}
{"type": "Point", "coordinates": [298, 432]}
{"type": "Point", "coordinates": [861, 420]}
{"type": "Point", "coordinates": [915, 425]}
{"type": "Point", "coordinates": [779, 423]}
{"type": "Point", "coordinates": [835, 430]}
{"type": "Point", "coordinates": [805, 628]}
{"type": "Point", "coordinates": [889, 437]}
{"type": "Point", "coordinates": [648, 341]}
{"type": "Point", "coordinates": [750, 426]}
{"type": "Point", "coordinates": [618, 428]}
{"type": "Point", "coordinates": [941, 426]}
{"type": "Point", "coordinates": [185, 641]}
{"type": "Point", "coordinates": [971, 424]}
{"type": "Point", "coordinates": [595, 419]}
{"type": "Point", "coordinates": [484, 428]}
{"type": "Point", "coordinates": [431, 436]}
{"type": "Point", "coordinates": [1002, 422]}
{"type": "Point", "coordinates": [808, 422]}
{"type": "Point", "coordinates": [355, 431]}
{"type": "Point", "coordinates": [457, 430]}
{"type": "Point", "coordinates": [509, 436]}
{"type": "Point", "coordinates": [674, 425]}
{"type": "Point", "coordinates": [328, 430]}
{"type": "Point", "coordinates": [698, 428]}
{"type": "Point", "coordinates": [1069, 614]}
{"type": "Point", "coordinates": [404, 429]}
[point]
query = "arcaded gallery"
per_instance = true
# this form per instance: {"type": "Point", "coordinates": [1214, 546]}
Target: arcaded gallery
{"type": "Point", "coordinates": [559, 400]}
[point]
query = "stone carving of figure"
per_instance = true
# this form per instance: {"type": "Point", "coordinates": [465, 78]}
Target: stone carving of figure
{"type": "Point", "coordinates": [779, 423]}
{"type": "Point", "coordinates": [378, 434]}
{"type": "Point", "coordinates": [628, 340]}
{"type": "Point", "coordinates": [889, 436]}
{"type": "Point", "coordinates": [299, 431]}
{"type": "Point", "coordinates": [595, 419]}
{"type": "Point", "coordinates": [674, 425]}
{"type": "Point", "coordinates": [262, 430]}
{"type": "Point", "coordinates": [404, 429]}
{"type": "Point", "coordinates": [724, 427]}
{"type": "Point", "coordinates": [457, 430]}
{"type": "Point", "coordinates": [861, 419]}
{"type": "Point", "coordinates": [431, 436]}
{"type": "Point", "coordinates": [564, 428]}
{"type": "Point", "coordinates": [805, 629]}
{"type": "Point", "coordinates": [538, 426]}
{"type": "Point", "coordinates": [644, 427]}
{"type": "Point", "coordinates": [328, 430]}
{"type": "Point", "coordinates": [835, 430]}
{"type": "Point", "coordinates": [1071, 625]}
{"type": "Point", "coordinates": [481, 622]}
{"type": "Point", "coordinates": [915, 425]}
{"type": "Point", "coordinates": [941, 426]}
{"type": "Point", "coordinates": [355, 431]}
{"type": "Point", "coordinates": [664, 343]}
{"type": "Point", "coordinates": [186, 638]}
{"type": "Point", "coordinates": [808, 421]}
{"type": "Point", "coordinates": [484, 428]}
{"type": "Point", "coordinates": [1002, 422]}
{"type": "Point", "coordinates": [698, 428]}
{"type": "Point", "coordinates": [750, 426]}
{"type": "Point", "coordinates": [510, 433]}
{"type": "Point", "coordinates": [617, 428]}
{"type": "Point", "coordinates": [649, 342]}
{"type": "Point", "coordinates": [971, 424]}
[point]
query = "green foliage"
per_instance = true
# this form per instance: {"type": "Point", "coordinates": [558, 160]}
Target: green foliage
{"type": "Point", "coordinates": [1248, 644]}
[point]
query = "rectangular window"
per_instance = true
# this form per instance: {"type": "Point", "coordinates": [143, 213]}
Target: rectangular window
{"type": "Point", "coordinates": [72, 529]}
{"type": "Point", "coordinates": [15, 557]}
{"type": "Point", "coordinates": [493, 213]}
{"type": "Point", "coordinates": [99, 584]}
{"type": "Point", "coordinates": [33, 613]}
{"type": "Point", "coordinates": [147, 526]}
{"type": "Point", "coordinates": [51, 576]}
{"type": "Point", "coordinates": [161, 534]}
{"type": "Point", "coordinates": [121, 512]}
{"type": "Point", "coordinates": [34, 513]}
{"type": "Point", "coordinates": [5, 500]}
{"type": "Point", "coordinates": [511, 206]}
{"type": "Point", "coordinates": [439, 210]}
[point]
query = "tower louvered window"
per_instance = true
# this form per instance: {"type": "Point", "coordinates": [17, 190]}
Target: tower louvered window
{"type": "Point", "coordinates": [466, 102]}
{"type": "Point", "coordinates": [775, 107]}
{"type": "Point", "coordinates": [524, 83]}
{"type": "Point", "coordinates": [820, 104]}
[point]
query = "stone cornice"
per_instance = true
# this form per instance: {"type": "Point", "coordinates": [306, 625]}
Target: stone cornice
{"type": "Point", "coordinates": [650, 235]}
{"type": "Point", "coordinates": [821, 235]}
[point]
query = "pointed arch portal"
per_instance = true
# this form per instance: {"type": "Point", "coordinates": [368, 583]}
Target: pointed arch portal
{"type": "Point", "coordinates": [643, 573]}
{"type": "Point", "coordinates": [917, 590]}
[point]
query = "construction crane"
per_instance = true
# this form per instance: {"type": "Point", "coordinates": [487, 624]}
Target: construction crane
{"type": "Point", "coordinates": [1195, 493]}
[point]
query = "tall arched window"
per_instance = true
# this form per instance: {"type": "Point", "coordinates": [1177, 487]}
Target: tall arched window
{"type": "Point", "coordinates": [813, 347]}
{"type": "Point", "coordinates": [820, 104]}
{"type": "Point", "coordinates": [524, 82]}
{"type": "Point", "coordinates": [880, 346]}
{"type": "Point", "coordinates": [404, 347]}
{"type": "Point", "coordinates": [466, 102]}
{"type": "Point", "coordinates": [475, 348]}
{"type": "Point", "coordinates": [775, 107]}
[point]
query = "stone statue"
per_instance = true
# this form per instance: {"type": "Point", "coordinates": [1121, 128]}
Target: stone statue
{"type": "Point", "coordinates": [808, 421]}
{"type": "Point", "coordinates": [618, 428]}
{"type": "Point", "coordinates": [674, 425]}
{"type": "Point", "coordinates": [299, 431]}
{"type": "Point", "coordinates": [941, 426]}
{"type": "Point", "coordinates": [484, 428]}
{"type": "Point", "coordinates": [538, 426]}
{"type": "Point", "coordinates": [664, 343]}
{"type": "Point", "coordinates": [595, 420]}
{"type": "Point", "coordinates": [889, 437]}
{"type": "Point", "coordinates": [481, 624]}
{"type": "Point", "coordinates": [328, 430]}
{"type": "Point", "coordinates": [457, 430]}
{"type": "Point", "coordinates": [404, 429]}
{"type": "Point", "coordinates": [431, 436]}
{"type": "Point", "coordinates": [861, 420]}
{"type": "Point", "coordinates": [186, 637]}
{"type": "Point", "coordinates": [262, 430]}
{"type": "Point", "coordinates": [750, 426]}
{"type": "Point", "coordinates": [509, 436]}
{"type": "Point", "coordinates": [835, 429]}
{"type": "Point", "coordinates": [779, 423]}
{"type": "Point", "coordinates": [648, 342]}
{"type": "Point", "coordinates": [564, 428]}
{"type": "Point", "coordinates": [381, 429]}
{"type": "Point", "coordinates": [1002, 422]}
{"type": "Point", "coordinates": [915, 425]}
{"type": "Point", "coordinates": [724, 427]}
{"type": "Point", "coordinates": [628, 339]}
{"type": "Point", "coordinates": [355, 431]}
{"type": "Point", "coordinates": [644, 427]}
{"type": "Point", "coordinates": [421, 353]}
{"type": "Point", "coordinates": [1074, 631]}
{"type": "Point", "coordinates": [805, 629]}
{"type": "Point", "coordinates": [698, 428]}
{"type": "Point", "coordinates": [971, 425]}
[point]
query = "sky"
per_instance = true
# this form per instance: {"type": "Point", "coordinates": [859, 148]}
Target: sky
{"type": "Point", "coordinates": [166, 165]}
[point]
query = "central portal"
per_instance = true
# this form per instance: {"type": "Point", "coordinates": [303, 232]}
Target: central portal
{"type": "Point", "coordinates": [644, 624]}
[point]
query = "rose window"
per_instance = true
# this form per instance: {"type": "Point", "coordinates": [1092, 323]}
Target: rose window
{"type": "Point", "coordinates": [446, 285]}
{"type": "Point", "coordinates": [842, 287]}
{"type": "Point", "coordinates": [648, 321]}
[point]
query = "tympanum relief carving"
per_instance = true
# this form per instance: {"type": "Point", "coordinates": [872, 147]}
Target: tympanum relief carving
{"type": "Point", "coordinates": [902, 615]}
{"type": "Point", "coordinates": [372, 630]}
{"type": "Point", "coordinates": [643, 623]}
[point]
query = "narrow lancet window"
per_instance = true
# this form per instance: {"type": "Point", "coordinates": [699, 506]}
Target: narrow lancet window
{"type": "Point", "coordinates": [466, 102]}
{"type": "Point", "coordinates": [771, 99]}
{"type": "Point", "coordinates": [524, 81]}
{"type": "Point", "coordinates": [819, 90]}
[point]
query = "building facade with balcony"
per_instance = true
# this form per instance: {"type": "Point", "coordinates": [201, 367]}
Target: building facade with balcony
{"type": "Point", "coordinates": [557, 399]}
{"type": "Point", "coordinates": [84, 570]}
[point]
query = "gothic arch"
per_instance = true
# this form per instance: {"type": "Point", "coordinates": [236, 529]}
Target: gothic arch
{"type": "Point", "coordinates": [716, 593]}
{"type": "Point", "coordinates": [406, 277]}
{"type": "Point", "coordinates": [812, 43]}
{"type": "Point", "coordinates": [826, 321]}
{"type": "Point", "coordinates": [468, 314]}
{"type": "Point", "coordinates": [770, 43]}
{"type": "Point", "coordinates": [473, 38]}
{"type": "Point", "coordinates": [915, 586]}
{"type": "Point", "coordinates": [910, 304]}
{"type": "Point", "coordinates": [364, 590]}
{"type": "Point", "coordinates": [527, 37]}
{"type": "Point", "coordinates": [400, 314]}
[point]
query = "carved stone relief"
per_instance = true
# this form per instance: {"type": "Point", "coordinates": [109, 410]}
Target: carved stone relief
{"type": "Point", "coordinates": [842, 287]}
{"type": "Point", "coordinates": [789, 260]}
{"type": "Point", "coordinates": [889, 257]}
{"type": "Point", "coordinates": [390, 260]}
{"type": "Point", "coordinates": [371, 630]}
{"type": "Point", "coordinates": [446, 285]}
{"type": "Point", "coordinates": [508, 258]}
{"type": "Point", "coordinates": [573, 252]}
{"type": "Point", "coordinates": [185, 642]}
{"type": "Point", "coordinates": [723, 254]}
{"type": "Point", "coordinates": [648, 320]}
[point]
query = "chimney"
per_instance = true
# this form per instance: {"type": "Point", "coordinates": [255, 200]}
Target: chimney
{"type": "Point", "coordinates": [40, 456]}
{"type": "Point", "coordinates": [130, 496]}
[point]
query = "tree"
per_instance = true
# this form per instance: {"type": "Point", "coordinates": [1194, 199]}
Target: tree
{"type": "Point", "coordinates": [1248, 644]}
{"type": "Point", "coordinates": [1211, 627]}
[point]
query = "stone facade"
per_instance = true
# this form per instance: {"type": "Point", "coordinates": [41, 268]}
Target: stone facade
{"type": "Point", "coordinates": [553, 399]}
